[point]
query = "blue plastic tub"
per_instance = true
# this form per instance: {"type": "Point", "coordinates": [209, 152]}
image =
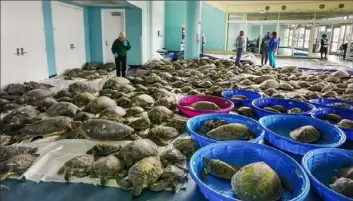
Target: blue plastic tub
{"type": "Point", "coordinates": [321, 165]}
{"type": "Point", "coordinates": [250, 95]}
{"type": "Point", "coordinates": [240, 153]}
{"type": "Point", "coordinates": [323, 103]}
{"type": "Point", "coordinates": [278, 127]}
{"type": "Point", "coordinates": [260, 103]}
{"type": "Point", "coordinates": [195, 123]}
{"type": "Point", "coordinates": [344, 113]}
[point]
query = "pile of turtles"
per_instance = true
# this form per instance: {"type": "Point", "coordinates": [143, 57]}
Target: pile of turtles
{"type": "Point", "coordinates": [142, 108]}
{"type": "Point", "coordinates": [343, 182]}
{"type": "Point", "coordinates": [337, 119]}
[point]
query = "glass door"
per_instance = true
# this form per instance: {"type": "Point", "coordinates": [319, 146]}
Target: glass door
{"type": "Point", "coordinates": [335, 39]}
{"type": "Point", "coordinates": [233, 32]}
{"type": "Point", "coordinates": [254, 38]}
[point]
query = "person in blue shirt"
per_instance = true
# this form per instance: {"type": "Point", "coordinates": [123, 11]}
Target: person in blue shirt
{"type": "Point", "coordinates": [272, 49]}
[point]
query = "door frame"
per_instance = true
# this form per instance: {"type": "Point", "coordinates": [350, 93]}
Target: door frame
{"type": "Point", "coordinates": [102, 26]}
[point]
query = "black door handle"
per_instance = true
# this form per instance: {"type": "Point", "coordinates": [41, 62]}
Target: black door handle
{"type": "Point", "coordinates": [72, 46]}
{"type": "Point", "coordinates": [22, 52]}
{"type": "Point", "coordinates": [17, 52]}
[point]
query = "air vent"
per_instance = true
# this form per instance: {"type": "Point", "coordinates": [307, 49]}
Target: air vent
{"type": "Point", "coordinates": [284, 7]}
{"type": "Point", "coordinates": [267, 8]}
{"type": "Point", "coordinates": [115, 13]}
{"type": "Point", "coordinates": [341, 5]}
{"type": "Point", "coordinates": [322, 6]}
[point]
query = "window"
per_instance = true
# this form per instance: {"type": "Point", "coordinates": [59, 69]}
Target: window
{"type": "Point", "coordinates": [297, 16]}
{"type": "Point", "coordinates": [262, 16]}
{"type": "Point", "coordinates": [236, 16]}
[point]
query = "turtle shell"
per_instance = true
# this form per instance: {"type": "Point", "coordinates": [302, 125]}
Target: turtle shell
{"type": "Point", "coordinates": [205, 105]}
{"type": "Point", "coordinates": [49, 126]}
{"type": "Point", "coordinates": [306, 134]}
{"type": "Point", "coordinates": [233, 131]}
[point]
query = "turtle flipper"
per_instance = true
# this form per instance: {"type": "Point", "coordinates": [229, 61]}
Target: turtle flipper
{"type": "Point", "coordinates": [62, 170]}
{"type": "Point", "coordinates": [104, 178]}
{"type": "Point", "coordinates": [67, 175]}
{"type": "Point", "coordinates": [124, 184]}
{"type": "Point", "coordinates": [4, 188]}
{"type": "Point", "coordinates": [176, 187]}
{"type": "Point", "coordinates": [7, 174]}
{"type": "Point", "coordinates": [69, 135]}
{"type": "Point", "coordinates": [286, 184]}
{"type": "Point", "coordinates": [159, 186]}
{"type": "Point", "coordinates": [136, 190]}
{"type": "Point", "coordinates": [203, 174]}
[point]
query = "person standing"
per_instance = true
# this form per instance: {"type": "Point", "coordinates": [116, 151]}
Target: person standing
{"type": "Point", "coordinates": [324, 46]}
{"type": "Point", "coordinates": [119, 50]}
{"type": "Point", "coordinates": [240, 45]}
{"type": "Point", "coordinates": [272, 49]}
{"type": "Point", "coordinates": [264, 48]}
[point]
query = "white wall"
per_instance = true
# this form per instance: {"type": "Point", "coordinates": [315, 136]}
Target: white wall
{"type": "Point", "coordinates": [158, 23]}
{"type": "Point", "coordinates": [22, 26]}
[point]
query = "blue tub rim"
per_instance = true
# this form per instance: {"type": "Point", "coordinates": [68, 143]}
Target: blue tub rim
{"type": "Point", "coordinates": [256, 140]}
{"type": "Point", "coordinates": [309, 154]}
{"type": "Point", "coordinates": [287, 100]}
{"type": "Point", "coordinates": [307, 184]}
{"type": "Point", "coordinates": [241, 90]}
{"type": "Point", "coordinates": [331, 108]}
{"type": "Point", "coordinates": [312, 101]}
{"type": "Point", "coordinates": [314, 146]}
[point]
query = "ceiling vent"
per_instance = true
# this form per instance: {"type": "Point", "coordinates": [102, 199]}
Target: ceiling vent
{"type": "Point", "coordinates": [267, 8]}
{"type": "Point", "coordinates": [322, 6]}
{"type": "Point", "coordinates": [284, 7]}
{"type": "Point", "coordinates": [341, 5]}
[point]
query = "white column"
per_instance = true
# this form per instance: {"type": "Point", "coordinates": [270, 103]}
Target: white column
{"type": "Point", "coordinates": [311, 39]}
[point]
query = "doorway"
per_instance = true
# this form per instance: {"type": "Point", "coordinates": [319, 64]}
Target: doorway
{"type": "Point", "coordinates": [113, 22]}
{"type": "Point", "coordinates": [68, 28]}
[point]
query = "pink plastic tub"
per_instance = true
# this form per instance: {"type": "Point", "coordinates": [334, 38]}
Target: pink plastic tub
{"type": "Point", "coordinates": [225, 105]}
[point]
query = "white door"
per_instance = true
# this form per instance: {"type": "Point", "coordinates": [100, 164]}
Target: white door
{"type": "Point", "coordinates": [69, 37]}
{"type": "Point", "coordinates": [22, 26]}
{"type": "Point", "coordinates": [113, 22]}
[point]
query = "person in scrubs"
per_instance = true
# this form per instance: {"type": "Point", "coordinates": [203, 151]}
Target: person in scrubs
{"type": "Point", "coordinates": [272, 49]}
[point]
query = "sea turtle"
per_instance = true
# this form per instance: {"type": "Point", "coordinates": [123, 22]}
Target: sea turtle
{"type": "Point", "coordinates": [160, 93]}
{"type": "Point", "coordinates": [256, 182]}
{"type": "Point", "coordinates": [113, 114]}
{"type": "Point", "coordinates": [17, 165]}
{"type": "Point", "coordinates": [101, 129]}
{"type": "Point", "coordinates": [8, 107]}
{"type": "Point", "coordinates": [246, 111]}
{"type": "Point", "coordinates": [106, 168]}
{"type": "Point", "coordinates": [172, 157]}
{"type": "Point", "coordinates": [140, 123]}
{"type": "Point", "coordinates": [159, 114]}
{"type": "Point", "coordinates": [143, 100]}
{"type": "Point", "coordinates": [79, 87]}
{"type": "Point", "coordinates": [35, 95]}
{"type": "Point", "coordinates": [102, 150]}
{"type": "Point", "coordinates": [186, 146]}
{"type": "Point", "coordinates": [286, 87]}
{"type": "Point", "coordinates": [50, 126]}
{"type": "Point", "coordinates": [63, 93]}
{"type": "Point", "coordinates": [44, 104]}
{"type": "Point", "coordinates": [205, 105]}
{"type": "Point", "coordinates": [211, 124]}
{"type": "Point", "coordinates": [99, 104]}
{"type": "Point", "coordinates": [343, 186]}
{"type": "Point", "coordinates": [115, 82]}
{"type": "Point", "coordinates": [22, 115]}
{"type": "Point", "coordinates": [162, 135]}
{"type": "Point", "coordinates": [168, 102]}
{"type": "Point", "coordinates": [36, 85]}
{"type": "Point", "coordinates": [135, 111]}
{"type": "Point", "coordinates": [172, 177]}
{"type": "Point", "coordinates": [84, 116]}
{"type": "Point", "coordinates": [232, 131]}
{"type": "Point", "coordinates": [343, 105]}
{"type": "Point", "coordinates": [217, 168]}
{"type": "Point", "coordinates": [294, 110]}
{"type": "Point", "coordinates": [6, 140]}
{"type": "Point", "coordinates": [137, 150]}
{"type": "Point", "coordinates": [124, 102]}
{"type": "Point", "coordinates": [271, 109]}
{"type": "Point", "coordinates": [152, 78]}
{"type": "Point", "coordinates": [82, 99]}
{"type": "Point", "coordinates": [279, 108]}
{"type": "Point", "coordinates": [267, 84]}
{"type": "Point", "coordinates": [7, 152]}
{"type": "Point", "coordinates": [178, 122]}
{"type": "Point", "coordinates": [79, 166]}
{"type": "Point", "coordinates": [238, 97]}
{"type": "Point", "coordinates": [16, 89]}
{"type": "Point", "coordinates": [346, 123]}
{"type": "Point", "coordinates": [62, 109]}
{"type": "Point", "coordinates": [341, 74]}
{"type": "Point", "coordinates": [305, 134]}
{"type": "Point", "coordinates": [142, 174]}
{"type": "Point", "coordinates": [346, 172]}
{"type": "Point", "coordinates": [332, 118]}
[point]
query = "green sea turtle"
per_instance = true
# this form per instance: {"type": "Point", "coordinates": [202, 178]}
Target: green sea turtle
{"type": "Point", "coordinates": [172, 157]}
{"type": "Point", "coordinates": [84, 116]}
{"type": "Point", "coordinates": [62, 109]}
{"type": "Point", "coordinates": [205, 105]}
{"type": "Point", "coordinates": [135, 111]}
{"type": "Point", "coordinates": [246, 111]}
{"type": "Point", "coordinates": [7, 152]}
{"type": "Point", "coordinates": [232, 131]}
{"type": "Point", "coordinates": [106, 168]}
{"type": "Point", "coordinates": [17, 165]}
{"type": "Point", "coordinates": [16, 89]}
{"type": "Point", "coordinates": [114, 83]}
{"type": "Point", "coordinates": [239, 97]}
{"type": "Point", "coordinates": [35, 95]}
{"type": "Point", "coordinates": [159, 114]}
{"type": "Point", "coordinates": [113, 114]}
{"type": "Point", "coordinates": [294, 110]}
{"type": "Point", "coordinates": [5, 140]}
{"type": "Point", "coordinates": [346, 123]}
{"type": "Point", "coordinates": [168, 102]}
{"type": "Point", "coordinates": [79, 166]}
{"type": "Point", "coordinates": [186, 146]}
{"type": "Point", "coordinates": [343, 186]}
{"type": "Point", "coordinates": [172, 177]}
{"type": "Point", "coordinates": [211, 124]}
{"type": "Point", "coordinates": [137, 150]}
{"type": "Point", "coordinates": [217, 168]}
{"type": "Point", "coordinates": [140, 123]}
{"type": "Point", "coordinates": [332, 118]}
{"type": "Point", "coordinates": [82, 99]}
{"type": "Point", "coordinates": [99, 104]}
{"type": "Point", "coordinates": [101, 129]}
{"type": "Point", "coordinates": [63, 93]}
{"type": "Point", "coordinates": [257, 182]}
{"type": "Point", "coordinates": [346, 172]}
{"type": "Point", "coordinates": [44, 104]}
{"type": "Point", "coordinates": [102, 150]}
{"type": "Point", "coordinates": [22, 115]}
{"type": "Point", "coordinates": [36, 85]}
{"type": "Point", "coordinates": [143, 100]}
{"type": "Point", "coordinates": [124, 102]}
{"type": "Point", "coordinates": [271, 109]}
{"type": "Point", "coordinates": [162, 135]}
{"type": "Point", "coordinates": [305, 134]}
{"type": "Point", "coordinates": [79, 87]}
{"type": "Point", "coordinates": [141, 175]}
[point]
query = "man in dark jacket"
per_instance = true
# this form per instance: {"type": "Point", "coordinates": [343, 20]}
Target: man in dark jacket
{"type": "Point", "coordinates": [119, 49]}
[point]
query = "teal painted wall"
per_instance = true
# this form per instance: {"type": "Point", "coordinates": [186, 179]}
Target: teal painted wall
{"type": "Point", "coordinates": [212, 25]}
{"type": "Point", "coordinates": [49, 38]}
{"type": "Point", "coordinates": [95, 34]}
{"type": "Point", "coordinates": [175, 16]}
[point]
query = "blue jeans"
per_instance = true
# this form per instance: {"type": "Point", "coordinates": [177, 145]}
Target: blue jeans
{"type": "Point", "coordinates": [239, 52]}
{"type": "Point", "coordinates": [271, 58]}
